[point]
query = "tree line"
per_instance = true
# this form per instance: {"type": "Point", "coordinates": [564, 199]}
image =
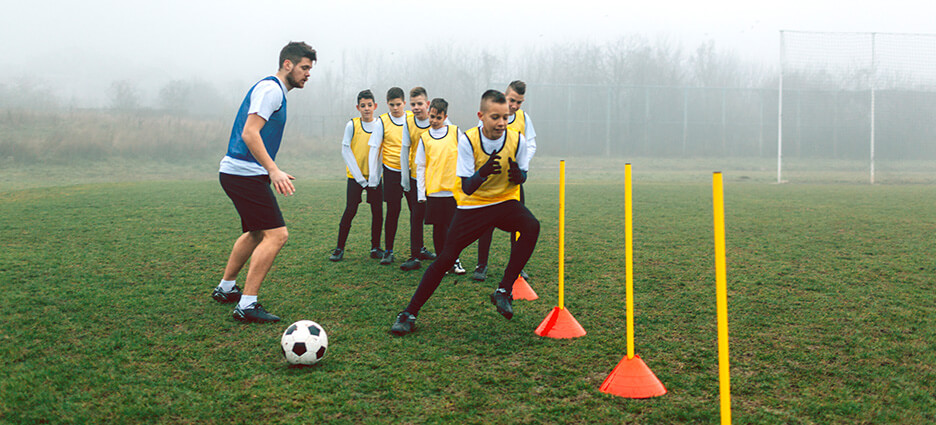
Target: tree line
{"type": "Point", "coordinates": [630, 96]}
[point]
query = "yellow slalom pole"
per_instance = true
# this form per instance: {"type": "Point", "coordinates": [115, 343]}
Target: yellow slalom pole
{"type": "Point", "coordinates": [721, 295]}
{"type": "Point", "coordinates": [629, 259]}
{"type": "Point", "coordinates": [561, 233]}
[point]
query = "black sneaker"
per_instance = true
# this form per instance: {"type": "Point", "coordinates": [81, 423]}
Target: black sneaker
{"type": "Point", "coordinates": [387, 257]}
{"type": "Point", "coordinates": [411, 264]}
{"type": "Point", "coordinates": [425, 254]}
{"type": "Point", "coordinates": [405, 322]}
{"type": "Point", "coordinates": [524, 275]}
{"type": "Point", "coordinates": [255, 313]}
{"type": "Point", "coordinates": [480, 273]}
{"type": "Point", "coordinates": [226, 297]}
{"type": "Point", "coordinates": [503, 301]}
{"type": "Point", "coordinates": [376, 253]}
{"type": "Point", "coordinates": [336, 255]}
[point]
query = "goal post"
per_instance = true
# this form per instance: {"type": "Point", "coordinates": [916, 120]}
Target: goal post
{"type": "Point", "coordinates": [855, 98]}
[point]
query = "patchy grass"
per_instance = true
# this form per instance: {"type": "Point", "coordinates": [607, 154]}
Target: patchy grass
{"type": "Point", "coordinates": [107, 316]}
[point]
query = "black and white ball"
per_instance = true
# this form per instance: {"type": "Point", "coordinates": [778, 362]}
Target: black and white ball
{"type": "Point", "coordinates": [304, 343]}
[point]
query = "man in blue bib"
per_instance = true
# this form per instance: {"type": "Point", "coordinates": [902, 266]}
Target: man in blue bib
{"type": "Point", "coordinates": [247, 171]}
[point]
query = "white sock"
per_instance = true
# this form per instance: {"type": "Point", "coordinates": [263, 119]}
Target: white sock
{"type": "Point", "coordinates": [227, 285]}
{"type": "Point", "coordinates": [246, 301]}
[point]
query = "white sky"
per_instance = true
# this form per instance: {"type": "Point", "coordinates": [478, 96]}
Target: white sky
{"type": "Point", "coordinates": [64, 42]}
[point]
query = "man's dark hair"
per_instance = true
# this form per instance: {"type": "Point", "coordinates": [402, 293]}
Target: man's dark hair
{"type": "Point", "coordinates": [440, 105]}
{"type": "Point", "coordinates": [518, 87]}
{"type": "Point", "coordinates": [418, 91]}
{"type": "Point", "coordinates": [365, 94]}
{"type": "Point", "coordinates": [395, 93]}
{"type": "Point", "coordinates": [493, 96]}
{"type": "Point", "coordinates": [295, 51]}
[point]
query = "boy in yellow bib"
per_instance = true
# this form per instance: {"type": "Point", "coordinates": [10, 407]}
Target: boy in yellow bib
{"type": "Point", "coordinates": [520, 121]}
{"type": "Point", "coordinates": [436, 158]}
{"type": "Point", "coordinates": [487, 194]}
{"type": "Point", "coordinates": [390, 132]}
{"type": "Point", "coordinates": [417, 123]}
{"type": "Point", "coordinates": [363, 169]}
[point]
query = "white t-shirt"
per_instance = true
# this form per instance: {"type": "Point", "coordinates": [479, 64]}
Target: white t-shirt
{"type": "Point", "coordinates": [265, 99]}
{"type": "Point", "coordinates": [529, 133]}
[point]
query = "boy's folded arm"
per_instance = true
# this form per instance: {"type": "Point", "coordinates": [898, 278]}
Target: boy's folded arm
{"type": "Point", "coordinates": [471, 184]}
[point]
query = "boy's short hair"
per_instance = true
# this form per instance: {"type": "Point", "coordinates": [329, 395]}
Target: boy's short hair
{"type": "Point", "coordinates": [492, 96]}
{"type": "Point", "coordinates": [295, 51]}
{"type": "Point", "coordinates": [395, 93]}
{"type": "Point", "coordinates": [418, 91]}
{"type": "Point", "coordinates": [365, 94]}
{"type": "Point", "coordinates": [440, 105]}
{"type": "Point", "coordinates": [518, 87]}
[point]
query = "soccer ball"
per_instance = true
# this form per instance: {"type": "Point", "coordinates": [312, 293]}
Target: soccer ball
{"type": "Point", "coordinates": [304, 343]}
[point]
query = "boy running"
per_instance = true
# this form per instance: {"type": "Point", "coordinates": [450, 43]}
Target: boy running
{"type": "Point", "coordinates": [520, 121]}
{"type": "Point", "coordinates": [246, 172]}
{"type": "Point", "coordinates": [487, 192]}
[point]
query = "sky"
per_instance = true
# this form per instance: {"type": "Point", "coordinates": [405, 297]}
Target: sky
{"type": "Point", "coordinates": [78, 48]}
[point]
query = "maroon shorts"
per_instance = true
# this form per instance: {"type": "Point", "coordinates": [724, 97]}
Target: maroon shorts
{"type": "Point", "coordinates": [254, 200]}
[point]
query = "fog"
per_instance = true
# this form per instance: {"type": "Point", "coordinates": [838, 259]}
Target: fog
{"type": "Point", "coordinates": [77, 48]}
{"type": "Point", "coordinates": [654, 78]}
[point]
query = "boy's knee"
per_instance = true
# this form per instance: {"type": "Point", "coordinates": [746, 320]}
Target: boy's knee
{"type": "Point", "coordinates": [278, 235]}
{"type": "Point", "coordinates": [530, 226]}
{"type": "Point", "coordinates": [349, 213]}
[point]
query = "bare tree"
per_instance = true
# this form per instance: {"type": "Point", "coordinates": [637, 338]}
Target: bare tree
{"type": "Point", "coordinates": [124, 95]}
{"type": "Point", "coordinates": [174, 97]}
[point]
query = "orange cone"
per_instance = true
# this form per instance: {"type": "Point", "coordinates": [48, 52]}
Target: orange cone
{"type": "Point", "coordinates": [560, 324]}
{"type": "Point", "coordinates": [522, 290]}
{"type": "Point", "coordinates": [631, 378]}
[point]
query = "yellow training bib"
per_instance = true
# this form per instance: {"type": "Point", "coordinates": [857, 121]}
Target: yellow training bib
{"type": "Point", "coordinates": [519, 122]}
{"type": "Point", "coordinates": [415, 132]}
{"type": "Point", "coordinates": [441, 161]}
{"type": "Point", "coordinates": [392, 142]}
{"type": "Point", "coordinates": [496, 188]}
{"type": "Point", "coordinates": [360, 148]}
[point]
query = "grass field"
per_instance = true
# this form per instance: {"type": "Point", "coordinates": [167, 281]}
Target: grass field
{"type": "Point", "coordinates": [107, 318]}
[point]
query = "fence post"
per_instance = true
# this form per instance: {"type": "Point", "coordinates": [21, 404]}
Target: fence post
{"type": "Point", "coordinates": [873, 78]}
{"type": "Point", "coordinates": [724, 121]}
{"type": "Point", "coordinates": [646, 115]}
{"type": "Point", "coordinates": [608, 124]}
{"type": "Point", "coordinates": [685, 119]}
{"type": "Point", "coordinates": [760, 128]}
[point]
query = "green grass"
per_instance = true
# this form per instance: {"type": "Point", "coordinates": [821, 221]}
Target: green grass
{"type": "Point", "coordinates": [107, 318]}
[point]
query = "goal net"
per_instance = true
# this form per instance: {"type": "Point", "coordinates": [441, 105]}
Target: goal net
{"type": "Point", "coordinates": [857, 106]}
